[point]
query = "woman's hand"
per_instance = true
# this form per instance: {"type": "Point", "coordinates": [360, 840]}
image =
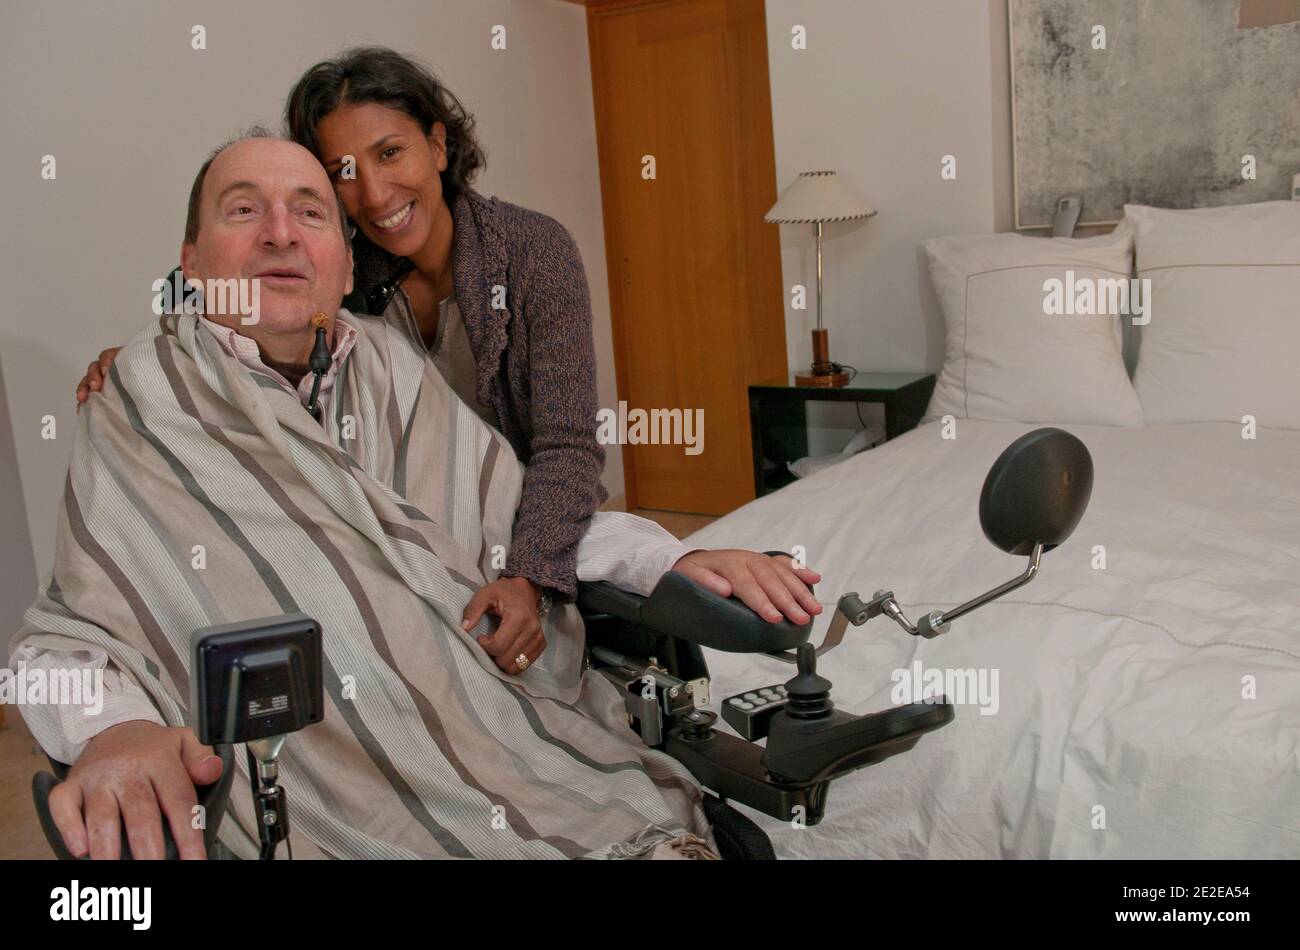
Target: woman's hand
{"type": "Point", "coordinates": [93, 381]}
{"type": "Point", "coordinates": [514, 600]}
{"type": "Point", "coordinates": [764, 583]}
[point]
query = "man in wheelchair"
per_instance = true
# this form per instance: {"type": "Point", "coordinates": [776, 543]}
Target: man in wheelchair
{"type": "Point", "coordinates": [204, 489]}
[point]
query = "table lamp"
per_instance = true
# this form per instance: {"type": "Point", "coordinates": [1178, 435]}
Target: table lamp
{"type": "Point", "coordinates": [814, 198]}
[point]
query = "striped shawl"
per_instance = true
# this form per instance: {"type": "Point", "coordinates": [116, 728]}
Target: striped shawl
{"type": "Point", "coordinates": [200, 492]}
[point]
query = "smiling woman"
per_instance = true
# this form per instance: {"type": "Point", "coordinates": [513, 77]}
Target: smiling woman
{"type": "Point", "coordinates": [495, 295]}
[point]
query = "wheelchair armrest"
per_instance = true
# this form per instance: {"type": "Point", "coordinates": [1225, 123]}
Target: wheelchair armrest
{"type": "Point", "coordinates": [597, 598]}
{"type": "Point", "coordinates": [682, 608]}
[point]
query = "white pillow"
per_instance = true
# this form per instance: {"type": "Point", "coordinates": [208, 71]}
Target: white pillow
{"type": "Point", "coordinates": [1224, 336]}
{"type": "Point", "coordinates": [1007, 359]}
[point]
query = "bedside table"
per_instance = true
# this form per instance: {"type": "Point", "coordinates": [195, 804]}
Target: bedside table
{"type": "Point", "coordinates": [779, 428]}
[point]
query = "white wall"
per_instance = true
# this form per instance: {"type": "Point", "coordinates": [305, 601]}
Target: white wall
{"type": "Point", "coordinates": [129, 110]}
{"type": "Point", "coordinates": [883, 91]}
{"type": "Point", "coordinates": [17, 569]}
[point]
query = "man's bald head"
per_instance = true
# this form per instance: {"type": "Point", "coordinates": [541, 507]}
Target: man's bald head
{"type": "Point", "coordinates": [194, 212]}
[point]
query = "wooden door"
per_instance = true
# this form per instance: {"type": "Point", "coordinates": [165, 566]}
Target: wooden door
{"type": "Point", "coordinates": [694, 271]}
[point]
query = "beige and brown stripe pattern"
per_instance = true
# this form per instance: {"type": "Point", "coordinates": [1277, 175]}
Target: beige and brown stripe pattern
{"type": "Point", "coordinates": [380, 523]}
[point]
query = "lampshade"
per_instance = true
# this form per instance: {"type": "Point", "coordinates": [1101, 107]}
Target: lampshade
{"type": "Point", "coordinates": [817, 196]}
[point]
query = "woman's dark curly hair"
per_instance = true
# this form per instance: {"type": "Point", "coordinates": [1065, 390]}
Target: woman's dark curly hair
{"type": "Point", "coordinates": [384, 76]}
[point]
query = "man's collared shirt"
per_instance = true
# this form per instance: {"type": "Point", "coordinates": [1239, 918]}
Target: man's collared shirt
{"type": "Point", "coordinates": [246, 351]}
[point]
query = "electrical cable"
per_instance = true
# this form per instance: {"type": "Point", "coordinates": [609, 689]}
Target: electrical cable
{"type": "Point", "coordinates": [857, 406]}
{"type": "Point", "coordinates": [320, 361]}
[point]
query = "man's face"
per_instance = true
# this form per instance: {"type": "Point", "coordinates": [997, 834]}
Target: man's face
{"type": "Point", "coordinates": [267, 211]}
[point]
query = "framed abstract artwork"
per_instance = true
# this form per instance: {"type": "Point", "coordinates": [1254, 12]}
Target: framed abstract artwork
{"type": "Point", "coordinates": [1175, 103]}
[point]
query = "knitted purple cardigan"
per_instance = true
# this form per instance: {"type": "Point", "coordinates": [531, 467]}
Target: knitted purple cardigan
{"type": "Point", "coordinates": [536, 368]}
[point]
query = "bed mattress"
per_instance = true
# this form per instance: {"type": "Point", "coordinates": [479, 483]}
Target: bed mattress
{"type": "Point", "coordinates": [1142, 695]}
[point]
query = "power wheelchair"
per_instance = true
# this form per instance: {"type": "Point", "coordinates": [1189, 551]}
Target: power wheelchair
{"type": "Point", "coordinates": [651, 649]}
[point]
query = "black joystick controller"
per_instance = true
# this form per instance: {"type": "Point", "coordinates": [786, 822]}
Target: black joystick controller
{"type": "Point", "coordinates": [809, 694]}
{"type": "Point", "coordinates": [805, 697]}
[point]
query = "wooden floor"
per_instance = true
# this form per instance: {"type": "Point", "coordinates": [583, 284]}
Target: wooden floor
{"type": "Point", "coordinates": [20, 835]}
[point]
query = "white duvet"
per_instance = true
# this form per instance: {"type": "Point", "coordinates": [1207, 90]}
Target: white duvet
{"type": "Point", "coordinates": [1147, 709]}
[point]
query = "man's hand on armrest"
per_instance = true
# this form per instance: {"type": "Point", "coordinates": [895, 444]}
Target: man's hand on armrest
{"type": "Point", "coordinates": [127, 774]}
{"type": "Point", "coordinates": [764, 583]}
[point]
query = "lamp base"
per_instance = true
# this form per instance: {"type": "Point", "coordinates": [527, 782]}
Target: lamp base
{"type": "Point", "coordinates": [825, 379]}
{"type": "Point", "coordinates": [824, 372]}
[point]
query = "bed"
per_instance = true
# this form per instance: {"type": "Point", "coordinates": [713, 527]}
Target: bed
{"type": "Point", "coordinates": [1148, 681]}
